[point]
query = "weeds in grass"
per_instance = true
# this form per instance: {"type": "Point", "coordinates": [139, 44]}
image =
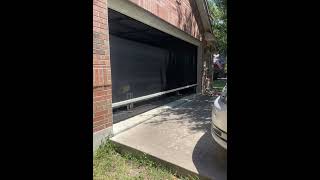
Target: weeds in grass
{"type": "Point", "coordinates": [108, 164]}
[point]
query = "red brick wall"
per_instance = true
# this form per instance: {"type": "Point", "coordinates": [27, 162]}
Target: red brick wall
{"type": "Point", "coordinates": [180, 13]}
{"type": "Point", "coordinates": [102, 97]}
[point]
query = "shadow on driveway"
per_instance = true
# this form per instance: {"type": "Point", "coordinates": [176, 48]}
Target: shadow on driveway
{"type": "Point", "coordinates": [196, 113]}
{"type": "Point", "coordinates": [209, 158]}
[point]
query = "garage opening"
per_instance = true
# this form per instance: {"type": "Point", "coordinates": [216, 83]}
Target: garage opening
{"type": "Point", "coordinates": [149, 68]}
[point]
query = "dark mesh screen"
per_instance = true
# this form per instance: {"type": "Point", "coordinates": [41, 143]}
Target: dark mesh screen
{"type": "Point", "coordinates": [145, 60]}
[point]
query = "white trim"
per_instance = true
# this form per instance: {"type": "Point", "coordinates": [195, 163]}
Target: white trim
{"type": "Point", "coordinates": [138, 13]}
{"type": "Point", "coordinates": [122, 103]}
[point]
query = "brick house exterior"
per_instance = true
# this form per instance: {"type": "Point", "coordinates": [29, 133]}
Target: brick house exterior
{"type": "Point", "coordinates": [102, 111]}
{"type": "Point", "coordinates": [187, 18]}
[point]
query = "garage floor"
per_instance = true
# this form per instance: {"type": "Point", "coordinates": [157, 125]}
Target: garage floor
{"type": "Point", "coordinates": [181, 136]}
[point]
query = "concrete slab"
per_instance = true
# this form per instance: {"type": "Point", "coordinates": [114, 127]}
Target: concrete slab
{"type": "Point", "coordinates": [136, 120]}
{"type": "Point", "coordinates": [100, 137]}
{"type": "Point", "coordinates": [180, 136]}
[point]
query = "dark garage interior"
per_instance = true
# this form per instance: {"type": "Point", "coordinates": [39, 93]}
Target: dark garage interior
{"type": "Point", "coordinates": [145, 61]}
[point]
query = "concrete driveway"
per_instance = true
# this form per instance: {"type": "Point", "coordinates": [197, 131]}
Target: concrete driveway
{"type": "Point", "coordinates": [180, 136]}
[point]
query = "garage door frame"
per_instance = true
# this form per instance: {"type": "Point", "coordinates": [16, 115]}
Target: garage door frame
{"type": "Point", "coordinates": [138, 13]}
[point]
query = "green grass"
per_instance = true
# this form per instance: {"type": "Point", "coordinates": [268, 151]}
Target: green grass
{"type": "Point", "coordinates": [219, 83]}
{"type": "Point", "coordinates": [108, 163]}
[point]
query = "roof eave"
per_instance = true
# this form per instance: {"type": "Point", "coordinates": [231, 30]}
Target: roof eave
{"type": "Point", "coordinates": [205, 18]}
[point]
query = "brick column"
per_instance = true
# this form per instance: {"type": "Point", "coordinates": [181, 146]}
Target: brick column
{"type": "Point", "coordinates": [102, 97]}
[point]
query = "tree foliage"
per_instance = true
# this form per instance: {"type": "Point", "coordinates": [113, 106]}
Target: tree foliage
{"type": "Point", "coordinates": [218, 10]}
